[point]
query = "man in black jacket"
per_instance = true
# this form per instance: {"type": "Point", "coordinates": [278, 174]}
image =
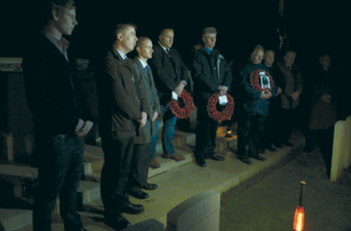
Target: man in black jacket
{"type": "Point", "coordinates": [271, 130]}
{"type": "Point", "coordinates": [61, 116]}
{"type": "Point", "coordinates": [212, 74]}
{"type": "Point", "coordinates": [171, 76]}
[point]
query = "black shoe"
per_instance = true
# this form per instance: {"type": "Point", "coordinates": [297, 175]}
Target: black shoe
{"type": "Point", "coordinates": [262, 151]}
{"type": "Point", "coordinates": [201, 162]}
{"type": "Point", "coordinates": [270, 148]}
{"type": "Point", "coordinates": [260, 158]}
{"type": "Point", "coordinates": [278, 145]}
{"type": "Point", "coordinates": [288, 144]}
{"type": "Point", "coordinates": [116, 222]}
{"type": "Point", "coordinates": [214, 156]}
{"type": "Point", "coordinates": [148, 186]}
{"type": "Point", "coordinates": [137, 193]}
{"type": "Point", "coordinates": [246, 160]}
{"type": "Point", "coordinates": [132, 209]}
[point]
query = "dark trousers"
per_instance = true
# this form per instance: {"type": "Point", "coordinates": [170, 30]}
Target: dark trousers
{"type": "Point", "coordinates": [250, 133]}
{"type": "Point", "coordinates": [285, 123]}
{"type": "Point", "coordinates": [140, 166]}
{"type": "Point", "coordinates": [118, 156]}
{"type": "Point", "coordinates": [324, 139]}
{"type": "Point", "coordinates": [206, 132]}
{"type": "Point", "coordinates": [270, 132]}
{"type": "Point", "coordinates": [60, 169]}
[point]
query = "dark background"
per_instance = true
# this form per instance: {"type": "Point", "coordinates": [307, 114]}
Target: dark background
{"type": "Point", "coordinates": [313, 27]}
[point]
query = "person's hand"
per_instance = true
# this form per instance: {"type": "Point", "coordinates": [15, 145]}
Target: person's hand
{"type": "Point", "coordinates": [326, 98]}
{"type": "Point", "coordinates": [143, 120]}
{"type": "Point", "coordinates": [85, 129]}
{"type": "Point", "coordinates": [279, 91]}
{"type": "Point", "coordinates": [265, 95]}
{"type": "Point", "coordinates": [79, 125]}
{"type": "Point", "coordinates": [179, 88]}
{"type": "Point", "coordinates": [154, 117]}
{"type": "Point", "coordinates": [222, 90]}
{"type": "Point", "coordinates": [295, 95]}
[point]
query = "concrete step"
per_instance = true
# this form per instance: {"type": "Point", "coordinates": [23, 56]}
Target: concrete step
{"type": "Point", "coordinates": [179, 184]}
{"type": "Point", "coordinates": [13, 219]}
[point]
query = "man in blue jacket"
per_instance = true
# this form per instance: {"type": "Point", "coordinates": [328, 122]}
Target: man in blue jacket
{"type": "Point", "coordinates": [253, 108]}
{"type": "Point", "coordinates": [61, 115]}
{"type": "Point", "coordinates": [212, 74]}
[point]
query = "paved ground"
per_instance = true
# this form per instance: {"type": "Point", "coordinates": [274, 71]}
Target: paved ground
{"type": "Point", "coordinates": [267, 201]}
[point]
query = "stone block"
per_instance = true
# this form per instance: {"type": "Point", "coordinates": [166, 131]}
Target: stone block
{"type": "Point", "coordinates": [6, 146]}
{"type": "Point", "coordinates": [148, 225]}
{"type": "Point", "coordinates": [200, 212]}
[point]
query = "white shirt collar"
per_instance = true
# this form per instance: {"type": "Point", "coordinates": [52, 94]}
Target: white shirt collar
{"type": "Point", "coordinates": [121, 54]}
{"type": "Point", "coordinates": [143, 63]}
{"type": "Point", "coordinates": [164, 48]}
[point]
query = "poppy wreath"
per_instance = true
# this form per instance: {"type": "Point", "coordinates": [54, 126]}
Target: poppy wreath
{"type": "Point", "coordinates": [255, 80]}
{"type": "Point", "coordinates": [182, 112]}
{"type": "Point", "coordinates": [220, 116]}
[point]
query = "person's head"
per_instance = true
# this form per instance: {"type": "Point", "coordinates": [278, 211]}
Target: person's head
{"type": "Point", "coordinates": [269, 58]}
{"type": "Point", "coordinates": [289, 57]}
{"type": "Point", "coordinates": [209, 37]}
{"type": "Point", "coordinates": [257, 54]}
{"type": "Point", "coordinates": [166, 37]}
{"type": "Point", "coordinates": [59, 15]}
{"type": "Point", "coordinates": [144, 48]}
{"type": "Point", "coordinates": [326, 61]}
{"type": "Point", "coordinates": [125, 37]}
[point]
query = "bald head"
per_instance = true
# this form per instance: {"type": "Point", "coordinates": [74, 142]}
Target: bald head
{"type": "Point", "coordinates": [269, 58]}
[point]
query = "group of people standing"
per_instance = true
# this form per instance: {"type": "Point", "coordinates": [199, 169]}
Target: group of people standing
{"type": "Point", "coordinates": [133, 97]}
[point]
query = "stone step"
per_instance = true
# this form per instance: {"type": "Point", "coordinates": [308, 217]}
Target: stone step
{"type": "Point", "coordinates": [179, 184]}
{"type": "Point", "coordinates": [13, 219]}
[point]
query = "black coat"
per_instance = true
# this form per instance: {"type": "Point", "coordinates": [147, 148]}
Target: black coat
{"type": "Point", "coordinates": [54, 93]}
{"type": "Point", "coordinates": [169, 70]}
{"type": "Point", "coordinates": [205, 75]}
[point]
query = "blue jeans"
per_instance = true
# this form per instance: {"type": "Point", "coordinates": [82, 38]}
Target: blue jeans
{"type": "Point", "coordinates": [169, 121]}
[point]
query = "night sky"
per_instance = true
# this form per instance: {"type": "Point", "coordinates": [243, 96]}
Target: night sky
{"type": "Point", "coordinates": [313, 27]}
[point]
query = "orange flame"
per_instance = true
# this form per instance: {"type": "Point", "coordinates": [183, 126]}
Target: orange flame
{"type": "Point", "coordinates": [299, 218]}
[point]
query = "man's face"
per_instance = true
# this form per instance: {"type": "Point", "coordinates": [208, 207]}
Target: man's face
{"type": "Point", "coordinates": [128, 39]}
{"type": "Point", "coordinates": [66, 21]}
{"type": "Point", "coordinates": [167, 38]}
{"type": "Point", "coordinates": [326, 62]}
{"type": "Point", "coordinates": [210, 40]}
{"type": "Point", "coordinates": [257, 57]}
{"type": "Point", "coordinates": [269, 58]}
{"type": "Point", "coordinates": [290, 58]}
{"type": "Point", "coordinates": [145, 51]}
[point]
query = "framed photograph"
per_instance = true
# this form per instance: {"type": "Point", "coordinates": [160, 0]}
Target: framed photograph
{"type": "Point", "coordinates": [265, 82]}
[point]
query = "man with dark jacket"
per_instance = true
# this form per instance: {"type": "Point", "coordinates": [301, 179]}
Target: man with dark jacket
{"type": "Point", "coordinates": [290, 97]}
{"type": "Point", "coordinates": [61, 116]}
{"type": "Point", "coordinates": [171, 76]}
{"type": "Point", "coordinates": [142, 148]}
{"type": "Point", "coordinates": [254, 107]}
{"type": "Point", "coordinates": [212, 74]}
{"type": "Point", "coordinates": [122, 112]}
{"type": "Point", "coordinates": [271, 129]}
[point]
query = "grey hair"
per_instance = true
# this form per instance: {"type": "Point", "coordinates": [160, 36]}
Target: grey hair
{"type": "Point", "coordinates": [258, 47]}
{"type": "Point", "coordinates": [209, 30]}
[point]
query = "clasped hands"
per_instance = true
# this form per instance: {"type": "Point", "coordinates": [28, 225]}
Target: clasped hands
{"type": "Point", "coordinates": [179, 89]}
{"type": "Point", "coordinates": [295, 95]}
{"type": "Point", "coordinates": [266, 94]}
{"type": "Point", "coordinates": [143, 120]}
{"type": "Point", "coordinates": [326, 98]}
{"type": "Point", "coordinates": [83, 128]}
{"type": "Point", "coordinates": [222, 90]}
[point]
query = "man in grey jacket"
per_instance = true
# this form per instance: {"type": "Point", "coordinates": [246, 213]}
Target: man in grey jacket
{"type": "Point", "coordinates": [142, 147]}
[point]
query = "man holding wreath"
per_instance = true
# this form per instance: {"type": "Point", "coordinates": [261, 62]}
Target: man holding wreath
{"type": "Point", "coordinates": [212, 75]}
{"type": "Point", "coordinates": [257, 87]}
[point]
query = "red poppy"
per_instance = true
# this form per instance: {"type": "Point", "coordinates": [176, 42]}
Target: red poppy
{"type": "Point", "coordinates": [185, 112]}
{"type": "Point", "coordinates": [220, 116]}
{"type": "Point", "coordinates": [254, 80]}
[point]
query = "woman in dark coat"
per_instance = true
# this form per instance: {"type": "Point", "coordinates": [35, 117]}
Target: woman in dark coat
{"type": "Point", "coordinates": [323, 114]}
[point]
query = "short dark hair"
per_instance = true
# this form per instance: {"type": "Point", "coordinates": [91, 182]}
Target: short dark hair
{"type": "Point", "coordinates": [164, 31]}
{"type": "Point", "coordinates": [289, 51]}
{"type": "Point", "coordinates": [47, 6]}
{"type": "Point", "coordinates": [121, 28]}
{"type": "Point", "coordinates": [141, 41]}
